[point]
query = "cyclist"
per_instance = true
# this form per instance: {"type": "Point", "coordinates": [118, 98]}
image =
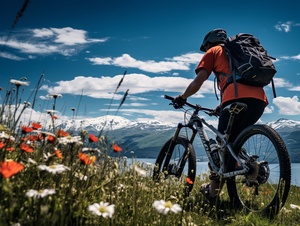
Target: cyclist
{"type": "Point", "coordinates": [215, 60]}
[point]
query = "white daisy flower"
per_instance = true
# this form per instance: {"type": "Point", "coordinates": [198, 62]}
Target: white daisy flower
{"type": "Point", "coordinates": [51, 111]}
{"type": "Point", "coordinates": [19, 83]}
{"type": "Point", "coordinates": [70, 140]}
{"type": "Point", "coordinates": [4, 135]}
{"type": "Point", "coordinates": [140, 171]}
{"type": "Point", "coordinates": [293, 206]}
{"type": "Point", "coordinates": [54, 95]}
{"type": "Point", "coordinates": [80, 176]}
{"type": "Point", "coordinates": [47, 156]}
{"type": "Point", "coordinates": [40, 193]}
{"type": "Point", "coordinates": [102, 209]}
{"type": "Point", "coordinates": [56, 168]}
{"type": "Point", "coordinates": [165, 207]}
{"type": "Point", "coordinates": [30, 160]}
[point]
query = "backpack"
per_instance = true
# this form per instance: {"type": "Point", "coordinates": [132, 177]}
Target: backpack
{"type": "Point", "coordinates": [249, 62]}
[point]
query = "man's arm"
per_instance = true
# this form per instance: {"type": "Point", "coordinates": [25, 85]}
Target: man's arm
{"type": "Point", "coordinates": [196, 84]}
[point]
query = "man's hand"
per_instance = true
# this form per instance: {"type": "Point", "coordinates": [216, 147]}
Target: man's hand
{"type": "Point", "coordinates": [216, 112]}
{"type": "Point", "coordinates": [179, 102]}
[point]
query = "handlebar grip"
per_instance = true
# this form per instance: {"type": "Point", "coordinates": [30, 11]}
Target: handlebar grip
{"type": "Point", "coordinates": [169, 97]}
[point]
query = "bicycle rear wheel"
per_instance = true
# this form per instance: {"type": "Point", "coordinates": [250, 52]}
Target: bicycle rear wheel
{"type": "Point", "coordinates": [171, 162]}
{"type": "Point", "coordinates": [266, 186]}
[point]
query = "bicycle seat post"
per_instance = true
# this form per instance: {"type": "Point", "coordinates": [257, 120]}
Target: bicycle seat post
{"type": "Point", "coordinates": [234, 109]}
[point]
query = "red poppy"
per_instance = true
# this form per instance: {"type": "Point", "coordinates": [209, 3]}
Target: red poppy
{"type": "Point", "coordinates": [62, 133]}
{"type": "Point", "coordinates": [189, 181]}
{"type": "Point", "coordinates": [26, 148]}
{"type": "Point", "coordinates": [26, 129]}
{"type": "Point", "coordinates": [36, 125]}
{"type": "Point", "coordinates": [50, 138]}
{"type": "Point", "coordinates": [32, 138]}
{"type": "Point", "coordinates": [10, 149]}
{"type": "Point", "coordinates": [2, 145]}
{"type": "Point", "coordinates": [92, 138]}
{"type": "Point", "coordinates": [10, 168]}
{"type": "Point", "coordinates": [86, 159]}
{"type": "Point", "coordinates": [58, 154]}
{"type": "Point", "coordinates": [116, 148]}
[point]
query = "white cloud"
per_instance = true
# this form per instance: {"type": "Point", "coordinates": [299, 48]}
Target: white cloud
{"type": "Point", "coordinates": [182, 62]}
{"type": "Point", "coordinates": [286, 26]}
{"type": "Point", "coordinates": [10, 56]}
{"type": "Point", "coordinates": [104, 86]}
{"type": "Point", "coordinates": [288, 105]}
{"type": "Point", "coordinates": [49, 41]}
{"type": "Point", "coordinates": [297, 57]}
{"type": "Point", "coordinates": [281, 82]}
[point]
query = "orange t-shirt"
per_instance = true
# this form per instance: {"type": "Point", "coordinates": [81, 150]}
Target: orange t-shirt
{"type": "Point", "coordinates": [215, 60]}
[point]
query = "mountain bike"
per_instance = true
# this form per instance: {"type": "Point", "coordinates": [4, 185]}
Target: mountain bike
{"type": "Point", "coordinates": [260, 183]}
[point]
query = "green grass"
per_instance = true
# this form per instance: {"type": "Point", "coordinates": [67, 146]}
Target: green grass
{"type": "Point", "coordinates": [130, 189]}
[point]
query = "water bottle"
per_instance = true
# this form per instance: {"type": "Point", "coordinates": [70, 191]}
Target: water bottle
{"type": "Point", "coordinates": [214, 148]}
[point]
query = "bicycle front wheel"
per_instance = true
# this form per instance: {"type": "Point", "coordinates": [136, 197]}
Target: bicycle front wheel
{"type": "Point", "coordinates": [265, 187]}
{"type": "Point", "coordinates": [177, 159]}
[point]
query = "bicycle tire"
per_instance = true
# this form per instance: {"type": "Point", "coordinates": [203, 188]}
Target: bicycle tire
{"type": "Point", "coordinates": [171, 162]}
{"type": "Point", "coordinates": [271, 172]}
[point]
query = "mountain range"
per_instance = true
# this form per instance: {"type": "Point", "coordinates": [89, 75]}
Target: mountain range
{"type": "Point", "coordinates": [144, 139]}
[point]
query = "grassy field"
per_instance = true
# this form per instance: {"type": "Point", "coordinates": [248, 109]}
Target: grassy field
{"type": "Point", "coordinates": [64, 188]}
{"type": "Point", "coordinates": [50, 177]}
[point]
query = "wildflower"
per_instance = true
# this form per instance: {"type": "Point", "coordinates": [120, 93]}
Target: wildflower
{"type": "Point", "coordinates": [165, 207]}
{"type": "Point", "coordinates": [27, 104]}
{"type": "Point", "coordinates": [50, 138]}
{"type": "Point", "coordinates": [70, 140]}
{"type": "Point", "coordinates": [26, 148]}
{"type": "Point", "coordinates": [102, 209]}
{"type": "Point", "coordinates": [58, 154]}
{"type": "Point", "coordinates": [91, 150]}
{"type": "Point", "coordinates": [30, 160]}
{"type": "Point", "coordinates": [116, 148]}
{"type": "Point", "coordinates": [26, 129]}
{"type": "Point", "coordinates": [86, 158]}
{"type": "Point", "coordinates": [33, 138]}
{"type": "Point", "coordinates": [10, 168]}
{"type": "Point", "coordinates": [2, 145]}
{"type": "Point", "coordinates": [56, 168]}
{"type": "Point", "coordinates": [140, 171]}
{"type": "Point", "coordinates": [4, 135]}
{"type": "Point", "coordinates": [54, 95]}
{"type": "Point", "coordinates": [10, 149]}
{"type": "Point", "coordinates": [189, 181]}
{"type": "Point", "coordinates": [62, 133]}
{"type": "Point", "coordinates": [47, 156]}
{"type": "Point", "coordinates": [51, 112]}
{"type": "Point", "coordinates": [36, 125]}
{"type": "Point", "coordinates": [293, 206]}
{"type": "Point", "coordinates": [92, 138]}
{"type": "Point", "coordinates": [40, 193]}
{"type": "Point", "coordinates": [80, 176]}
{"type": "Point", "coordinates": [19, 83]}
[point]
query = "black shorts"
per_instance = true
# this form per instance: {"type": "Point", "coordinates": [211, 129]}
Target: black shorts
{"type": "Point", "coordinates": [255, 109]}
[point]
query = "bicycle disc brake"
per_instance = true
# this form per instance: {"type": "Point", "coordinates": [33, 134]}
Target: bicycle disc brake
{"type": "Point", "coordinates": [258, 173]}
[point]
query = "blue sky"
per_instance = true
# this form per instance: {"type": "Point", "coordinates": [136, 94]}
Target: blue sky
{"type": "Point", "coordinates": [84, 47]}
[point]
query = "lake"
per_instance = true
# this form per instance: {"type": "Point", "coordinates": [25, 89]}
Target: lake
{"type": "Point", "coordinates": [202, 167]}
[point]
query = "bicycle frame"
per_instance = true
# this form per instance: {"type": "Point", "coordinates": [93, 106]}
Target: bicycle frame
{"type": "Point", "coordinates": [196, 124]}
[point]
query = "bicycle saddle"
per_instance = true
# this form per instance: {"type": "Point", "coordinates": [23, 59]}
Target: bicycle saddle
{"type": "Point", "coordinates": [236, 107]}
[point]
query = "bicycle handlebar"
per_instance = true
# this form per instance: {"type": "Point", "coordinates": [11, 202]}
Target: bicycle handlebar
{"type": "Point", "coordinates": [196, 107]}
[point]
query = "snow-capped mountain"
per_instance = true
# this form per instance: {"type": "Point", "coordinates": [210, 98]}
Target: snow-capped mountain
{"type": "Point", "coordinates": [285, 125]}
{"type": "Point", "coordinates": [110, 122]}
{"type": "Point", "coordinates": [145, 138]}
